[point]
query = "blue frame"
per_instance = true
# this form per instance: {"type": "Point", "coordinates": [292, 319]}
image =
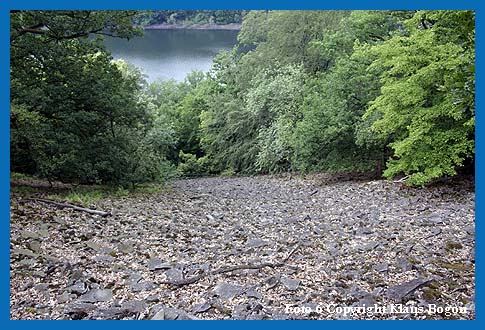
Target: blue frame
{"type": "Point", "coordinates": [7, 5]}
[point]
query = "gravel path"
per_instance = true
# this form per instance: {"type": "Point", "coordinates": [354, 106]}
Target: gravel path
{"type": "Point", "coordinates": [250, 248]}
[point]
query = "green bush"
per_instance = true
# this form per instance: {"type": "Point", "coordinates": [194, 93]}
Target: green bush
{"type": "Point", "coordinates": [190, 165]}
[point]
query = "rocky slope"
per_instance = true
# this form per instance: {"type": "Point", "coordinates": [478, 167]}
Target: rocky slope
{"type": "Point", "coordinates": [249, 248]}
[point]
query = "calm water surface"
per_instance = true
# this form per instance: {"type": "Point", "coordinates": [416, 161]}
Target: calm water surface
{"type": "Point", "coordinates": [172, 54]}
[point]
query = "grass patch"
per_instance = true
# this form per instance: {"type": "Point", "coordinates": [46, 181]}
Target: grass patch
{"type": "Point", "coordinates": [23, 190]}
{"type": "Point", "coordinates": [20, 176]}
{"type": "Point", "coordinates": [82, 195]}
{"type": "Point", "coordinates": [84, 198]}
{"type": "Point", "coordinates": [458, 266]}
{"type": "Point", "coordinates": [90, 195]}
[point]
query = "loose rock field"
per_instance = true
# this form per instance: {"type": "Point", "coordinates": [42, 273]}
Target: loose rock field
{"type": "Point", "coordinates": [247, 248]}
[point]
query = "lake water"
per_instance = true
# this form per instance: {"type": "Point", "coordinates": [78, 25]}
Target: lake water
{"type": "Point", "coordinates": [172, 54]}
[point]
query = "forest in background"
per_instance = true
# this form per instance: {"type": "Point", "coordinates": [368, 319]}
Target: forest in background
{"type": "Point", "coordinates": [388, 92]}
{"type": "Point", "coordinates": [189, 17]}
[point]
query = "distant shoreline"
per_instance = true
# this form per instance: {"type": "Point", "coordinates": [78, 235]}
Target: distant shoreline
{"type": "Point", "coordinates": [231, 26]}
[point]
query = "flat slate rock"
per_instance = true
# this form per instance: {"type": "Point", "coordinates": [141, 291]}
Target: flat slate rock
{"type": "Point", "coordinates": [227, 291]}
{"type": "Point", "coordinates": [272, 281]}
{"type": "Point", "coordinates": [290, 284]}
{"type": "Point", "coordinates": [201, 308]}
{"type": "Point", "coordinates": [241, 312]}
{"type": "Point", "coordinates": [364, 231]}
{"type": "Point", "coordinates": [168, 313]}
{"type": "Point", "coordinates": [29, 234]}
{"type": "Point", "coordinates": [404, 264]}
{"type": "Point", "coordinates": [126, 248]}
{"type": "Point", "coordinates": [174, 275]}
{"type": "Point", "coordinates": [24, 252]}
{"type": "Point", "coordinates": [253, 293]}
{"type": "Point", "coordinates": [157, 264]}
{"type": "Point", "coordinates": [78, 307]}
{"type": "Point", "coordinates": [143, 286]}
{"type": "Point", "coordinates": [366, 301]}
{"type": "Point", "coordinates": [97, 295]}
{"type": "Point", "coordinates": [382, 268]}
{"type": "Point", "coordinates": [134, 306]}
{"type": "Point", "coordinates": [255, 243]}
{"type": "Point", "coordinates": [399, 292]}
{"type": "Point", "coordinates": [109, 313]}
{"type": "Point", "coordinates": [369, 246]}
{"type": "Point", "coordinates": [93, 245]}
{"type": "Point", "coordinates": [104, 258]}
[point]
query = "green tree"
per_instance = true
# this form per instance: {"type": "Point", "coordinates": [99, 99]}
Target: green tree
{"type": "Point", "coordinates": [76, 115]}
{"type": "Point", "coordinates": [427, 106]}
{"type": "Point", "coordinates": [332, 134]}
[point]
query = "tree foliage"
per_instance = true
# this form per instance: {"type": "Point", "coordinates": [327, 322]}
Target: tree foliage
{"type": "Point", "coordinates": [384, 91]}
{"type": "Point", "coordinates": [76, 115]}
{"type": "Point", "coordinates": [426, 105]}
{"type": "Point", "coordinates": [189, 17]}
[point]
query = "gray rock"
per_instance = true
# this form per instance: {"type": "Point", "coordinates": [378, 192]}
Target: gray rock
{"type": "Point", "coordinates": [103, 259]}
{"type": "Point", "coordinates": [241, 311]}
{"type": "Point", "coordinates": [377, 291]}
{"type": "Point", "coordinates": [51, 258]}
{"type": "Point", "coordinates": [201, 308]}
{"type": "Point", "coordinates": [78, 309]}
{"type": "Point", "coordinates": [93, 245]}
{"type": "Point", "coordinates": [290, 284]}
{"type": "Point", "coordinates": [107, 251]}
{"type": "Point", "coordinates": [470, 230]}
{"type": "Point", "coordinates": [156, 264]}
{"type": "Point", "coordinates": [143, 286]}
{"type": "Point", "coordinates": [78, 288]}
{"type": "Point", "coordinates": [76, 275]}
{"type": "Point", "coordinates": [29, 234]}
{"type": "Point", "coordinates": [255, 243]}
{"type": "Point", "coordinates": [366, 301]}
{"type": "Point", "coordinates": [404, 264]}
{"type": "Point", "coordinates": [160, 315]}
{"type": "Point", "coordinates": [132, 278]}
{"type": "Point", "coordinates": [64, 297]}
{"type": "Point", "coordinates": [252, 293]}
{"type": "Point", "coordinates": [126, 248]}
{"type": "Point", "coordinates": [174, 275]}
{"type": "Point", "coordinates": [432, 220]}
{"type": "Point", "coordinates": [27, 262]}
{"type": "Point", "coordinates": [173, 314]}
{"type": "Point", "coordinates": [39, 273]}
{"type": "Point", "coordinates": [364, 231]}
{"type": "Point", "coordinates": [41, 286]}
{"type": "Point", "coordinates": [34, 246]}
{"type": "Point", "coordinates": [399, 292]}
{"type": "Point", "coordinates": [109, 313]}
{"type": "Point", "coordinates": [382, 268]}
{"type": "Point", "coordinates": [97, 295]}
{"type": "Point", "coordinates": [24, 252]}
{"type": "Point", "coordinates": [272, 281]}
{"type": "Point", "coordinates": [43, 232]}
{"type": "Point", "coordinates": [435, 231]}
{"type": "Point", "coordinates": [227, 291]}
{"type": "Point", "coordinates": [369, 246]}
{"type": "Point", "coordinates": [356, 293]}
{"type": "Point", "coordinates": [60, 221]}
{"type": "Point", "coordinates": [134, 306]}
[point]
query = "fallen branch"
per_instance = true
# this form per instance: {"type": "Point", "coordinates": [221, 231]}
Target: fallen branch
{"type": "Point", "coordinates": [401, 180]}
{"type": "Point", "coordinates": [228, 269]}
{"type": "Point", "coordinates": [313, 193]}
{"type": "Point", "coordinates": [67, 205]}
